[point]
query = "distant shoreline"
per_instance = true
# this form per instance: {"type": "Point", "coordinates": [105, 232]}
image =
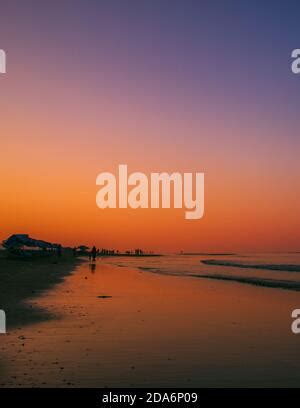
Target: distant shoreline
{"type": "Point", "coordinates": [128, 255]}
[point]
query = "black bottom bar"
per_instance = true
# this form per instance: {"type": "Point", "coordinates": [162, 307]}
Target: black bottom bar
{"type": "Point", "coordinates": [122, 397]}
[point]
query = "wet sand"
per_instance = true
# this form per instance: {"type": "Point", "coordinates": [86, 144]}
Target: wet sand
{"type": "Point", "coordinates": [110, 326]}
{"type": "Point", "coordinates": [26, 279]}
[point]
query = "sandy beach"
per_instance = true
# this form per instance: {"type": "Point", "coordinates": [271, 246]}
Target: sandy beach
{"type": "Point", "coordinates": [102, 325]}
{"type": "Point", "coordinates": [26, 279]}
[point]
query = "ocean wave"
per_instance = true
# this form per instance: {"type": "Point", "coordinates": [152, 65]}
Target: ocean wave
{"type": "Point", "coordinates": [208, 254]}
{"type": "Point", "coordinates": [161, 272]}
{"type": "Point", "coordinates": [270, 283]}
{"type": "Point", "coordinates": [270, 267]}
{"type": "Point", "coordinates": [257, 281]}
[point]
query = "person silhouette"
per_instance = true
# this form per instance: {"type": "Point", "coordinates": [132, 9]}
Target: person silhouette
{"type": "Point", "coordinates": [94, 253]}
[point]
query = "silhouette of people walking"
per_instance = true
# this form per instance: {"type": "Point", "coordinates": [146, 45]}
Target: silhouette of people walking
{"type": "Point", "coordinates": [94, 253]}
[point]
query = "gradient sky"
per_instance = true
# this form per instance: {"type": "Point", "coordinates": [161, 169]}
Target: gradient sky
{"type": "Point", "coordinates": [161, 86]}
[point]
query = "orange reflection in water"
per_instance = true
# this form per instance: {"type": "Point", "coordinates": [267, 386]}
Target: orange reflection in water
{"type": "Point", "coordinates": [120, 327]}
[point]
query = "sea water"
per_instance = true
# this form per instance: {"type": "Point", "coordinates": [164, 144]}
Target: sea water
{"type": "Point", "coordinates": [274, 270]}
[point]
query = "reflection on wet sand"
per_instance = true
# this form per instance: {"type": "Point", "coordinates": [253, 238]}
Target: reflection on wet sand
{"type": "Point", "coordinates": [92, 267]}
{"type": "Point", "coordinates": [123, 327]}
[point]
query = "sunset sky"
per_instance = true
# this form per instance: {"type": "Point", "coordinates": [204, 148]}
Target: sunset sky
{"type": "Point", "coordinates": [160, 86]}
